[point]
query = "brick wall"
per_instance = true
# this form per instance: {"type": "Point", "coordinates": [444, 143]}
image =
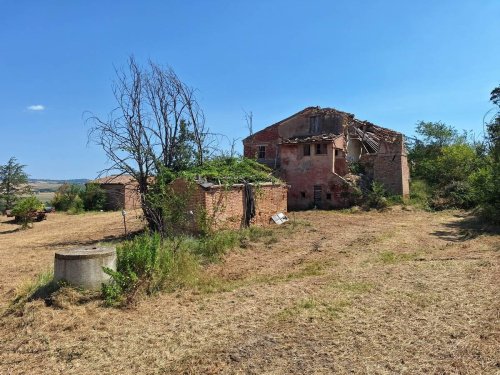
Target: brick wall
{"type": "Point", "coordinates": [120, 196]}
{"type": "Point", "coordinates": [224, 206]}
{"type": "Point", "coordinates": [303, 173]}
{"type": "Point", "coordinates": [115, 194]}
{"type": "Point", "coordinates": [268, 138]}
{"type": "Point", "coordinates": [132, 198]}
{"type": "Point", "coordinates": [391, 167]}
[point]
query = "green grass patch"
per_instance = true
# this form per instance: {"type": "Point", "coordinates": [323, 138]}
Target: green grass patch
{"type": "Point", "coordinates": [389, 257]}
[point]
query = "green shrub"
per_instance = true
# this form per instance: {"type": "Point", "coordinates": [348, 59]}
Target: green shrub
{"type": "Point", "coordinates": [25, 208]}
{"type": "Point", "coordinates": [485, 186]}
{"type": "Point", "coordinates": [214, 246]}
{"type": "Point", "coordinates": [77, 206]}
{"type": "Point", "coordinates": [457, 194]}
{"type": "Point", "coordinates": [376, 197]}
{"type": "Point", "coordinates": [356, 167]}
{"type": "Point", "coordinates": [148, 264]}
{"type": "Point", "coordinates": [94, 197]}
{"type": "Point", "coordinates": [231, 170]}
{"type": "Point", "coordinates": [65, 197]}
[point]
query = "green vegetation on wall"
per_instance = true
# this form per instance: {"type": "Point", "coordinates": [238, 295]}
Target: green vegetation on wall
{"type": "Point", "coordinates": [231, 170]}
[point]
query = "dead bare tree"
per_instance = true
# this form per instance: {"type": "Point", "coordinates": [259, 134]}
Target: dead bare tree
{"type": "Point", "coordinates": [249, 122]}
{"type": "Point", "coordinates": [157, 124]}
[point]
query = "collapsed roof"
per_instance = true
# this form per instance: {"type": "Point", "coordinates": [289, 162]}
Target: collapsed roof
{"type": "Point", "coordinates": [312, 138]}
{"type": "Point", "coordinates": [368, 133]}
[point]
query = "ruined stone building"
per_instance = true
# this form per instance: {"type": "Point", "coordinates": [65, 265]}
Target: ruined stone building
{"type": "Point", "coordinates": [322, 153]}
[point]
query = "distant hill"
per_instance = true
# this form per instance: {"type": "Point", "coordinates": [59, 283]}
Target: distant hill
{"type": "Point", "coordinates": [45, 188]}
{"type": "Point", "coordinates": [77, 181]}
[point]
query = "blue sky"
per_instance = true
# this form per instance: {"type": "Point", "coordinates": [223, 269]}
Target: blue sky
{"type": "Point", "coordinates": [390, 62]}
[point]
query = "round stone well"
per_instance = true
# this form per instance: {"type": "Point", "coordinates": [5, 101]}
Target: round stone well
{"type": "Point", "coordinates": [83, 267]}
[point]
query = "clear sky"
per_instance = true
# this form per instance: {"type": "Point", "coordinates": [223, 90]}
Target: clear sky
{"type": "Point", "coordinates": [391, 62]}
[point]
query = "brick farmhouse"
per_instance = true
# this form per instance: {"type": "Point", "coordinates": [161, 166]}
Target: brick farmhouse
{"type": "Point", "coordinates": [316, 149]}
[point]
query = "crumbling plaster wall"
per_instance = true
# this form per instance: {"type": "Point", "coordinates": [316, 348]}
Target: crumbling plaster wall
{"type": "Point", "coordinates": [295, 126]}
{"type": "Point", "coordinates": [302, 173]}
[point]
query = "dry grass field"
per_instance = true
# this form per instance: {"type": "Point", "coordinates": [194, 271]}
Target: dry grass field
{"type": "Point", "coordinates": [332, 293]}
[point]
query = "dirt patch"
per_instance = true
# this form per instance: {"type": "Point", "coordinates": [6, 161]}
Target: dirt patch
{"type": "Point", "coordinates": [394, 292]}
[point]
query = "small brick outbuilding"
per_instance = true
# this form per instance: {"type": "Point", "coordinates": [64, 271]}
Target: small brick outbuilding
{"type": "Point", "coordinates": [226, 206]}
{"type": "Point", "coordinates": [122, 192]}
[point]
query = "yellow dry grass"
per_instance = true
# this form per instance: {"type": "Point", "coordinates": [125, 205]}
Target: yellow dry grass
{"type": "Point", "coordinates": [25, 253]}
{"type": "Point", "coordinates": [369, 293]}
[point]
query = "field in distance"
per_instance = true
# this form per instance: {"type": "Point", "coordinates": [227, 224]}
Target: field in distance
{"type": "Point", "coordinates": [45, 189]}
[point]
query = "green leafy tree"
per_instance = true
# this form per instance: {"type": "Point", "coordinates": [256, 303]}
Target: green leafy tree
{"type": "Point", "coordinates": [67, 198]}
{"type": "Point", "coordinates": [13, 183]}
{"type": "Point", "coordinates": [25, 209]}
{"type": "Point", "coordinates": [485, 181]}
{"type": "Point", "coordinates": [443, 159]}
{"type": "Point", "coordinates": [432, 139]}
{"type": "Point", "coordinates": [93, 197]}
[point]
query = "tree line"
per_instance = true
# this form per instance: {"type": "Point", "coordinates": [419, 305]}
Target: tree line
{"type": "Point", "coordinates": [450, 169]}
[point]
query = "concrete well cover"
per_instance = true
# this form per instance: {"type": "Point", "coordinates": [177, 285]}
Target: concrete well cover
{"type": "Point", "coordinates": [84, 266]}
{"type": "Point", "coordinates": [87, 252]}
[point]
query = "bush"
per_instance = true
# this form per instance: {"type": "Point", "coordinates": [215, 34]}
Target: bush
{"type": "Point", "coordinates": [457, 194]}
{"type": "Point", "coordinates": [376, 197]}
{"type": "Point", "coordinates": [25, 208]}
{"type": "Point", "coordinates": [76, 206]}
{"type": "Point", "coordinates": [94, 197]}
{"type": "Point", "coordinates": [214, 246]}
{"type": "Point", "coordinates": [148, 264]}
{"type": "Point", "coordinates": [356, 167]}
{"type": "Point", "coordinates": [65, 197]}
{"type": "Point", "coordinates": [420, 194]}
{"type": "Point", "coordinates": [231, 170]}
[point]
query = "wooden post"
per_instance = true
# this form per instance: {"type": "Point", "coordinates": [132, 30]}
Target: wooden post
{"type": "Point", "coordinates": [124, 214]}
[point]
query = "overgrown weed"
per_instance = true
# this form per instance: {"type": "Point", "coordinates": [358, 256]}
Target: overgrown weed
{"type": "Point", "coordinates": [42, 286]}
